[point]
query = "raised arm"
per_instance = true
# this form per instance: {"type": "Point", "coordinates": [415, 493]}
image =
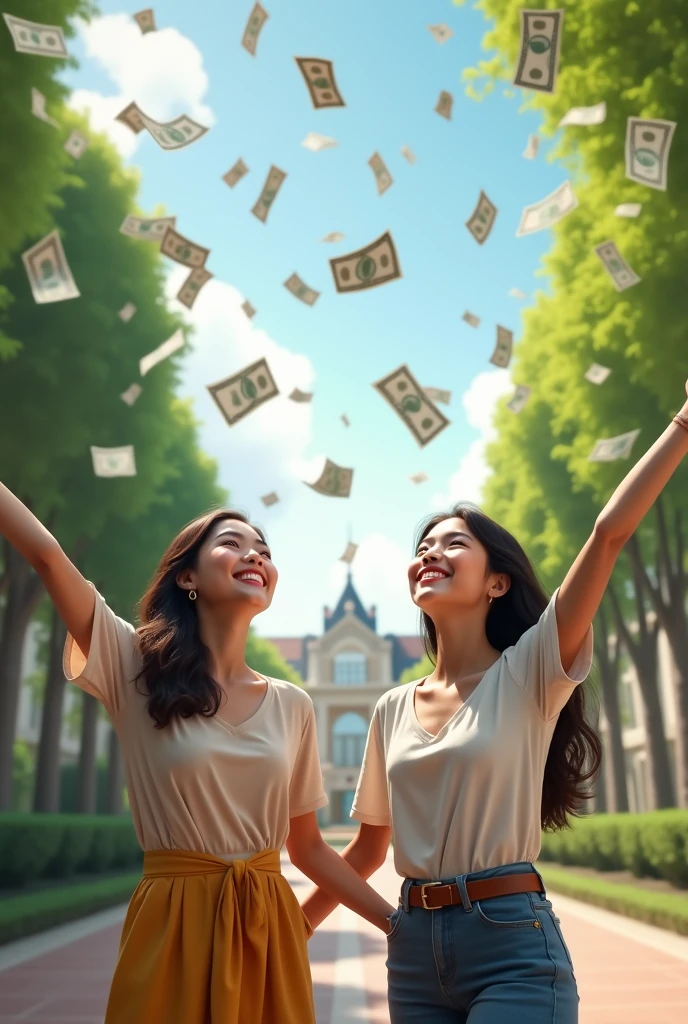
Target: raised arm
{"type": "Point", "coordinates": [74, 599]}
{"type": "Point", "coordinates": [581, 592]}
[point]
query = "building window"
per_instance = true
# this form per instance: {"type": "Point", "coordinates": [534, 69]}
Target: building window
{"type": "Point", "coordinates": [348, 740]}
{"type": "Point", "coordinates": [349, 668]}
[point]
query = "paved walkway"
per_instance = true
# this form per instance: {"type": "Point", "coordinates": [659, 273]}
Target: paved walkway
{"type": "Point", "coordinates": [628, 973]}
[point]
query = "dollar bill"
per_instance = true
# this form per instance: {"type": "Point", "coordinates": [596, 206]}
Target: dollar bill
{"type": "Point", "coordinates": [440, 33]}
{"type": "Point", "coordinates": [596, 373]}
{"type": "Point", "coordinates": [481, 221]}
{"type": "Point", "coordinates": [173, 134]}
{"type": "Point", "coordinates": [273, 184]}
{"type": "Point", "coordinates": [369, 267]}
{"type": "Point", "coordinates": [297, 287]}
{"type": "Point", "coordinates": [114, 461]}
{"type": "Point", "coordinates": [617, 268]}
{"type": "Point", "coordinates": [182, 250]}
{"type": "Point", "coordinates": [516, 293]}
{"type": "Point", "coordinates": [609, 449]}
{"type": "Point", "coordinates": [270, 499]}
{"type": "Point", "coordinates": [531, 150]}
{"type": "Point", "coordinates": [410, 402]}
{"type": "Point", "coordinates": [349, 553]}
{"type": "Point", "coordinates": [145, 20]}
{"type": "Point", "coordinates": [319, 77]}
{"type": "Point", "coordinates": [334, 236]}
{"type": "Point", "coordinates": [256, 20]}
{"type": "Point", "coordinates": [240, 394]}
{"type": "Point", "coordinates": [126, 312]}
{"type": "Point", "coordinates": [501, 355]}
{"type": "Point", "coordinates": [647, 151]}
{"type": "Point", "coordinates": [408, 154]}
{"type": "Point", "coordinates": [150, 229]}
{"type": "Point", "coordinates": [383, 178]}
{"type": "Point", "coordinates": [298, 395]}
{"type": "Point", "coordinates": [248, 309]}
{"type": "Point", "coordinates": [48, 271]}
{"type": "Point", "coordinates": [471, 319]}
{"type": "Point", "coordinates": [538, 60]}
{"type": "Point", "coordinates": [188, 292]}
{"type": "Point", "coordinates": [161, 352]}
{"type": "Point", "coordinates": [76, 145]}
{"type": "Point", "coordinates": [438, 395]}
{"type": "Point", "coordinates": [316, 142]}
{"type": "Point", "coordinates": [585, 115]}
{"type": "Point", "coordinates": [444, 105]}
{"type": "Point", "coordinates": [519, 398]}
{"type": "Point", "coordinates": [32, 37]}
{"type": "Point", "coordinates": [131, 394]}
{"type": "Point", "coordinates": [345, 420]}
{"type": "Point", "coordinates": [419, 478]}
{"type": "Point", "coordinates": [235, 173]}
{"type": "Point", "coordinates": [547, 211]}
{"type": "Point", "coordinates": [38, 110]}
{"type": "Point", "coordinates": [334, 481]}
{"type": "Point", "coordinates": [628, 210]}
{"type": "Point", "coordinates": [131, 117]}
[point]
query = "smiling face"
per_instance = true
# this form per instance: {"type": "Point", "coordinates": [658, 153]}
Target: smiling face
{"type": "Point", "coordinates": [451, 567]}
{"type": "Point", "coordinates": [233, 564]}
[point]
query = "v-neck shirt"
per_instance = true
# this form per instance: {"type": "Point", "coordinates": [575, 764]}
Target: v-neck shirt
{"type": "Point", "coordinates": [202, 783]}
{"type": "Point", "coordinates": [469, 797]}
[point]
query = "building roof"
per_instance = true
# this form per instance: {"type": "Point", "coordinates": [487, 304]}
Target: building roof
{"type": "Point", "coordinates": [412, 646]}
{"type": "Point", "coordinates": [350, 594]}
{"type": "Point", "coordinates": [290, 647]}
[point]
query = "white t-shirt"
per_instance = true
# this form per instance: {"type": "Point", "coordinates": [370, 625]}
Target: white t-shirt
{"type": "Point", "coordinates": [469, 798]}
{"type": "Point", "coordinates": [200, 783]}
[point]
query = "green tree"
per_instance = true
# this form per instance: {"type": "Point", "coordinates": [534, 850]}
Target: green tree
{"type": "Point", "coordinates": [262, 656]}
{"type": "Point", "coordinates": [422, 668]}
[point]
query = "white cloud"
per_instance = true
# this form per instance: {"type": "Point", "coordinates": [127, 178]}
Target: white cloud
{"type": "Point", "coordinates": [479, 403]}
{"type": "Point", "coordinates": [161, 71]}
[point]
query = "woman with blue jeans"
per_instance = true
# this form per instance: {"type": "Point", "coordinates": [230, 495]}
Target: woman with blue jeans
{"type": "Point", "coordinates": [462, 769]}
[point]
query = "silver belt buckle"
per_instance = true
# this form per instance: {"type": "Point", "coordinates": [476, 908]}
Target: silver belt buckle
{"type": "Point", "coordinates": [423, 896]}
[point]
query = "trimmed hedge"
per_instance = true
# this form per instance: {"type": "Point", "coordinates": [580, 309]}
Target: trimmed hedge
{"type": "Point", "coordinates": [38, 846]}
{"type": "Point", "coordinates": [25, 915]}
{"type": "Point", "coordinates": [654, 844]}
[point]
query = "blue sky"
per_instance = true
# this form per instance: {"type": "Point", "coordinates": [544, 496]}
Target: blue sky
{"type": "Point", "coordinates": [390, 71]}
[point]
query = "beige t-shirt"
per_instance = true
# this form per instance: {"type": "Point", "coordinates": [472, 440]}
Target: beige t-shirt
{"type": "Point", "coordinates": [200, 783]}
{"type": "Point", "coordinates": [469, 798]}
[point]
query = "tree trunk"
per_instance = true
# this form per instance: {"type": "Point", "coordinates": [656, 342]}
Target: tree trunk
{"type": "Point", "coordinates": [115, 776]}
{"type": "Point", "coordinates": [615, 776]}
{"type": "Point", "coordinates": [47, 789]}
{"type": "Point", "coordinates": [22, 596]}
{"type": "Point", "coordinates": [86, 800]}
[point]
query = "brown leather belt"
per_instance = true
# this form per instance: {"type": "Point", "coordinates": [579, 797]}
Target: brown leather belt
{"type": "Point", "coordinates": [433, 895]}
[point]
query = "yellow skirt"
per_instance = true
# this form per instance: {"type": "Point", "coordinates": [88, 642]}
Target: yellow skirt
{"type": "Point", "coordinates": [210, 942]}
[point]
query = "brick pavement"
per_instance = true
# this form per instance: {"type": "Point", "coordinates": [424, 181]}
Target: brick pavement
{"type": "Point", "coordinates": [628, 973]}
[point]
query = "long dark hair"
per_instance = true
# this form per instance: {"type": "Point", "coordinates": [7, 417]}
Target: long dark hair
{"type": "Point", "coordinates": [175, 660]}
{"type": "Point", "coordinates": [575, 753]}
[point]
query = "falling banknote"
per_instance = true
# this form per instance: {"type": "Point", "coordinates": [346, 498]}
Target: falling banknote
{"type": "Point", "coordinates": [345, 420]}
{"type": "Point", "coordinates": [131, 394]}
{"type": "Point", "coordinates": [383, 178]}
{"type": "Point", "coordinates": [270, 499]}
{"type": "Point", "coordinates": [412, 405]}
{"type": "Point", "coordinates": [616, 266]}
{"type": "Point", "coordinates": [538, 60]}
{"type": "Point", "coordinates": [611, 448]}
{"type": "Point", "coordinates": [188, 292]}
{"type": "Point", "coordinates": [76, 145]}
{"type": "Point", "coordinates": [547, 211]}
{"type": "Point", "coordinates": [596, 373]}
{"type": "Point", "coordinates": [444, 104]}
{"type": "Point", "coordinates": [516, 293]}
{"type": "Point", "coordinates": [408, 154]}
{"type": "Point", "coordinates": [334, 236]}
{"type": "Point", "coordinates": [235, 173]}
{"type": "Point", "coordinates": [519, 398]}
{"type": "Point", "coordinates": [471, 319]}
{"type": "Point", "coordinates": [297, 287]}
{"type": "Point", "coordinates": [145, 20]}
{"type": "Point", "coordinates": [150, 229]}
{"type": "Point", "coordinates": [349, 553]}
{"type": "Point", "coordinates": [182, 250]}
{"type": "Point", "coordinates": [440, 32]}
{"type": "Point", "coordinates": [316, 142]}
{"type": "Point", "coordinates": [319, 77]}
{"type": "Point", "coordinates": [256, 20]}
{"type": "Point", "coordinates": [419, 478]}
{"type": "Point", "coordinates": [48, 271]}
{"type": "Point", "coordinates": [240, 394]}
{"type": "Point", "coordinates": [369, 267]}
{"type": "Point", "coordinates": [298, 395]}
{"type": "Point", "coordinates": [161, 352]}
{"type": "Point", "coordinates": [114, 461]}
{"type": "Point", "coordinates": [272, 185]}
{"type": "Point", "coordinates": [585, 115]}
{"type": "Point", "coordinates": [334, 481]}
{"type": "Point", "coordinates": [628, 210]}
{"type": "Point", "coordinates": [248, 309]}
{"type": "Point", "coordinates": [38, 108]}
{"type": "Point", "coordinates": [126, 312]}
{"type": "Point", "coordinates": [31, 37]}
{"type": "Point", "coordinates": [501, 355]}
{"type": "Point", "coordinates": [173, 134]}
{"type": "Point", "coordinates": [647, 151]}
{"type": "Point", "coordinates": [481, 221]}
{"type": "Point", "coordinates": [438, 395]}
{"type": "Point", "coordinates": [531, 150]}
{"type": "Point", "coordinates": [131, 117]}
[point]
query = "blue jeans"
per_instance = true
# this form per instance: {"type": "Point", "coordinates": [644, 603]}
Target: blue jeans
{"type": "Point", "coordinates": [496, 961]}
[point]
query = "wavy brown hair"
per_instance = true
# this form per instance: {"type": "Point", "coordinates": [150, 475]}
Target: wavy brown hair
{"type": "Point", "coordinates": [575, 753]}
{"type": "Point", "coordinates": [175, 659]}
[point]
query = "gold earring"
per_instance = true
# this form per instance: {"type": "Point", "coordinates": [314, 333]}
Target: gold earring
{"type": "Point", "coordinates": [490, 601]}
{"type": "Point", "coordinates": [192, 595]}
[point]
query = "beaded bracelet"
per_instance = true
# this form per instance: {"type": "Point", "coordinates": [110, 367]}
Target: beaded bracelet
{"type": "Point", "coordinates": [681, 420]}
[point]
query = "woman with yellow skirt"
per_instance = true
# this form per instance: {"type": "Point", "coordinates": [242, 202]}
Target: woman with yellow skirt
{"type": "Point", "coordinates": [222, 771]}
